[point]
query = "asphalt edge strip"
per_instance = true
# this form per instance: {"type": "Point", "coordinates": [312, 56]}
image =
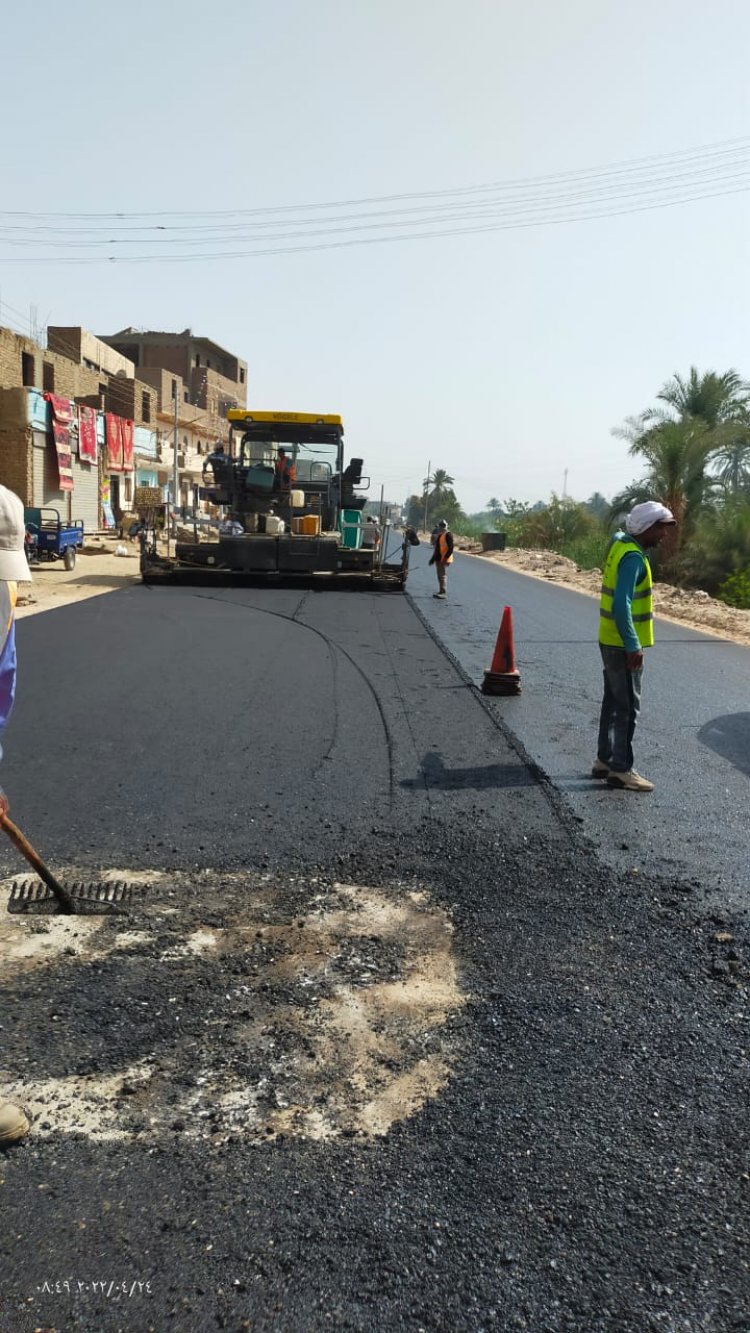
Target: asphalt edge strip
{"type": "Point", "coordinates": [554, 796]}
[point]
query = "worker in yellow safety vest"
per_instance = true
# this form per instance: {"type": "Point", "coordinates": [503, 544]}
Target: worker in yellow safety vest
{"type": "Point", "coordinates": [626, 627]}
{"type": "Point", "coordinates": [442, 557]}
{"type": "Point", "coordinates": [14, 569]}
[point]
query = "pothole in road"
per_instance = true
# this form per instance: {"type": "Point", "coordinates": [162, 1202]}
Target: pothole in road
{"type": "Point", "coordinates": [233, 1007]}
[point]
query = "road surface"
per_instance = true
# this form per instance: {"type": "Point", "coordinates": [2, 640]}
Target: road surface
{"type": "Point", "coordinates": [693, 739]}
{"type": "Point", "coordinates": [385, 1046]}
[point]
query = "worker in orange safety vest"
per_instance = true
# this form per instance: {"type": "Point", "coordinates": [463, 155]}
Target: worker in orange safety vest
{"type": "Point", "coordinates": [442, 557]}
{"type": "Point", "coordinates": [286, 471]}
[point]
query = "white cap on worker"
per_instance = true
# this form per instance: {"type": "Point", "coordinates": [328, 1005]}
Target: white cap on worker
{"type": "Point", "coordinates": [643, 516]}
{"type": "Point", "coordinates": [14, 566]}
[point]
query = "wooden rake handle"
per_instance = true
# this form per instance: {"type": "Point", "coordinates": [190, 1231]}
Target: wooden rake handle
{"type": "Point", "coordinates": [25, 848]}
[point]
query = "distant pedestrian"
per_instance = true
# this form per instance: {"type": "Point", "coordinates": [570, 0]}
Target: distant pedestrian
{"type": "Point", "coordinates": [626, 627]}
{"type": "Point", "coordinates": [371, 533]}
{"type": "Point", "coordinates": [442, 556]}
{"type": "Point", "coordinates": [14, 569]}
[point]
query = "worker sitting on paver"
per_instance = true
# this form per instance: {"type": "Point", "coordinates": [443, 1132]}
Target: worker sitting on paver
{"type": "Point", "coordinates": [371, 533]}
{"type": "Point", "coordinates": [286, 471]}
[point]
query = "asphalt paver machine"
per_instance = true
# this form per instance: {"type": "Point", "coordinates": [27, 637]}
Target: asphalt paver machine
{"type": "Point", "coordinates": [284, 503]}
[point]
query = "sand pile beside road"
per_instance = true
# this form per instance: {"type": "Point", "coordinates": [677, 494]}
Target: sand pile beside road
{"type": "Point", "coordinates": [691, 606]}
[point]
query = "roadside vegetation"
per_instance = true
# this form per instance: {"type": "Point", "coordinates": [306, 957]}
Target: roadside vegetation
{"type": "Point", "coordinates": [692, 448]}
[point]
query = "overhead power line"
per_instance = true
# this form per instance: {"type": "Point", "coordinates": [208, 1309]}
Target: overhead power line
{"type": "Point", "coordinates": [653, 162]}
{"type": "Point", "coordinates": [640, 185]}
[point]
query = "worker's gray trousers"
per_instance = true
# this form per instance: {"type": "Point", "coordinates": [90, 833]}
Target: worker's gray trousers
{"type": "Point", "coordinates": [620, 707]}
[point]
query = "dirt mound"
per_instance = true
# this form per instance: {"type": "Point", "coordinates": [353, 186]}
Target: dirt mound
{"type": "Point", "coordinates": [689, 605]}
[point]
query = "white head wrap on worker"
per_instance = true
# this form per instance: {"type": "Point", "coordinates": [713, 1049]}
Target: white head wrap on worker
{"type": "Point", "coordinates": [643, 516]}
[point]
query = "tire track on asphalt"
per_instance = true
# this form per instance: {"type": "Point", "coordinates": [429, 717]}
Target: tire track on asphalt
{"type": "Point", "coordinates": [407, 718]}
{"type": "Point", "coordinates": [333, 649]}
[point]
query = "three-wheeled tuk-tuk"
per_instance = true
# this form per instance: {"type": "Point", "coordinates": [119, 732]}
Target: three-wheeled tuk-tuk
{"type": "Point", "coordinates": [48, 538]}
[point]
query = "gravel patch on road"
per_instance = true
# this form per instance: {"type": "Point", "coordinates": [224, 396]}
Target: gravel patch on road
{"type": "Point", "coordinates": [578, 1164]}
{"type": "Point", "coordinates": [294, 1007]}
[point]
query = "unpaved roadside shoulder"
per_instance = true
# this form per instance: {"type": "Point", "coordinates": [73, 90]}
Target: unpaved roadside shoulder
{"type": "Point", "coordinates": [98, 570]}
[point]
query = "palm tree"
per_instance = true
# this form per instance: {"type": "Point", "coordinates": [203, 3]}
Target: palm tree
{"type": "Point", "coordinates": [598, 506]}
{"type": "Point", "coordinates": [494, 507]}
{"type": "Point", "coordinates": [440, 480]}
{"type": "Point", "coordinates": [708, 397]}
{"type": "Point", "coordinates": [731, 456]}
{"type": "Point", "coordinates": [676, 454]}
{"type": "Point", "coordinates": [701, 418]}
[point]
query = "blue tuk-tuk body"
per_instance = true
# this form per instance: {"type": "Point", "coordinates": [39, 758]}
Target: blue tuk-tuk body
{"type": "Point", "coordinates": [48, 538]}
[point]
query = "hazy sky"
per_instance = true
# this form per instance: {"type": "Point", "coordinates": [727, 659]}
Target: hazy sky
{"type": "Point", "coordinates": [505, 357]}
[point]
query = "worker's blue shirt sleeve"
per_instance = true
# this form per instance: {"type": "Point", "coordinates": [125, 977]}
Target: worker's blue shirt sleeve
{"type": "Point", "coordinates": [7, 678]}
{"type": "Point", "coordinates": [631, 570]}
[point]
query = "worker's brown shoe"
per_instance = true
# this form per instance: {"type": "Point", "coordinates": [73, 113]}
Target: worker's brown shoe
{"type": "Point", "coordinates": [631, 781]}
{"type": "Point", "coordinates": [599, 769]}
{"type": "Point", "coordinates": [13, 1123]}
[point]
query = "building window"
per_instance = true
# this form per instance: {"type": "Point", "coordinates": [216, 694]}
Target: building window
{"type": "Point", "coordinates": [208, 363]}
{"type": "Point", "coordinates": [198, 359]}
{"type": "Point", "coordinates": [187, 396]}
{"type": "Point", "coordinates": [27, 370]}
{"type": "Point", "coordinates": [174, 390]}
{"type": "Point", "coordinates": [145, 407]}
{"type": "Point", "coordinates": [200, 447]}
{"type": "Point", "coordinates": [48, 377]}
{"type": "Point", "coordinates": [242, 377]}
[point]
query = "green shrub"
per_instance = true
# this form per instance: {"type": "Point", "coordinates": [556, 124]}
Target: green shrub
{"type": "Point", "coordinates": [735, 590]}
{"type": "Point", "coordinates": [587, 551]}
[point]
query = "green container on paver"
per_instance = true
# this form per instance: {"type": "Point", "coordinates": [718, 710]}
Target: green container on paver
{"type": "Point", "coordinates": [351, 528]}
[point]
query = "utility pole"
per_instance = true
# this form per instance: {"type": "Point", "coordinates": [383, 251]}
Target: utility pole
{"type": "Point", "coordinates": [565, 485]}
{"type": "Point", "coordinates": [426, 493]}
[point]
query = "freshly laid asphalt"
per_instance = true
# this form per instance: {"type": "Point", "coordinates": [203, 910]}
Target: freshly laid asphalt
{"type": "Point", "coordinates": [692, 741]}
{"type": "Point", "coordinates": [583, 1165]}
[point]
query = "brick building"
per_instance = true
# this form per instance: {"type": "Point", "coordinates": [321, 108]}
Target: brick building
{"type": "Point", "coordinates": [213, 379]}
{"type": "Point", "coordinates": [198, 376]}
{"type": "Point", "coordinates": [77, 367]}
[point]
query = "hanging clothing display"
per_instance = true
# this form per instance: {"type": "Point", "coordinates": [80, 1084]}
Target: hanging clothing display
{"type": "Point", "coordinates": [63, 421]}
{"type": "Point", "coordinates": [119, 437]}
{"type": "Point", "coordinates": [113, 435]}
{"type": "Point", "coordinates": [126, 428]}
{"type": "Point", "coordinates": [87, 446]}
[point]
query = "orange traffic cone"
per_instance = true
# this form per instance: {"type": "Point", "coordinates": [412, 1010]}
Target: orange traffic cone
{"type": "Point", "coordinates": [503, 676]}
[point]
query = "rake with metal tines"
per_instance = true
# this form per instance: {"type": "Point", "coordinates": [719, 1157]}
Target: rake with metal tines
{"type": "Point", "coordinates": [51, 896]}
